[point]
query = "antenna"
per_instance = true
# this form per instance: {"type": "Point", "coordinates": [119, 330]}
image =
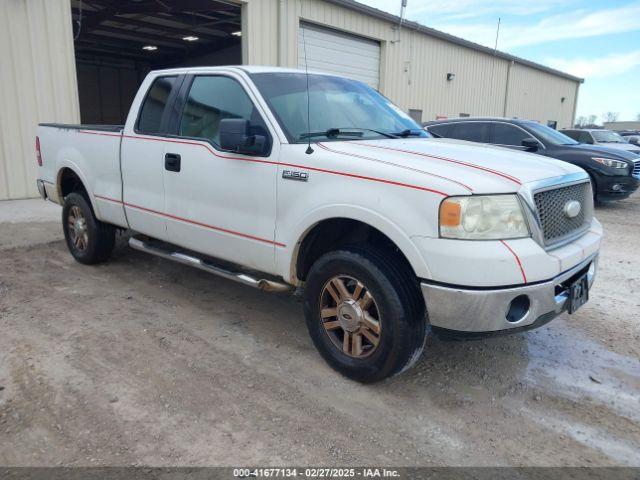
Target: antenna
{"type": "Point", "coordinates": [309, 150]}
{"type": "Point", "coordinates": [495, 51]}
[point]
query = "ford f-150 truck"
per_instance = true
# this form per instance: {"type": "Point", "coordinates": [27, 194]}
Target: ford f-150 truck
{"type": "Point", "coordinates": [317, 183]}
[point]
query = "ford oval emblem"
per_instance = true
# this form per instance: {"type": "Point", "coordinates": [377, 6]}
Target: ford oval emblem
{"type": "Point", "coordinates": [572, 208]}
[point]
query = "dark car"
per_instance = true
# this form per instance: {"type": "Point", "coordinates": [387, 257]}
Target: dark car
{"type": "Point", "coordinates": [614, 173]}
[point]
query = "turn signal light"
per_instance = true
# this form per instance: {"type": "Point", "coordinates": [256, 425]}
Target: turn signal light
{"type": "Point", "coordinates": [450, 213]}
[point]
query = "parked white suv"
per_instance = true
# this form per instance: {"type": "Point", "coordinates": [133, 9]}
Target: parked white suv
{"type": "Point", "coordinates": [389, 233]}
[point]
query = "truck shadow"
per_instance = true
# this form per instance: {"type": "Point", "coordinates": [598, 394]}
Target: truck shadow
{"type": "Point", "coordinates": [464, 370]}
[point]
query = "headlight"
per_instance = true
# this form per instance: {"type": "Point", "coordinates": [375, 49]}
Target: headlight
{"type": "Point", "coordinates": [482, 217]}
{"type": "Point", "coordinates": [609, 162]}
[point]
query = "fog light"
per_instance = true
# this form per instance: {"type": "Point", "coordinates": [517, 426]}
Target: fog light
{"type": "Point", "coordinates": [616, 187]}
{"type": "Point", "coordinates": [518, 308]}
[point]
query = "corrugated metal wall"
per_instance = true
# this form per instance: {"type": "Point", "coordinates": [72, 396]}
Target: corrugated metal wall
{"type": "Point", "coordinates": [38, 79]}
{"type": "Point", "coordinates": [414, 69]}
{"type": "Point", "coordinates": [38, 74]}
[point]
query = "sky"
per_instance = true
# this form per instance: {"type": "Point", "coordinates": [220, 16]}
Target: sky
{"type": "Point", "coordinates": [597, 40]}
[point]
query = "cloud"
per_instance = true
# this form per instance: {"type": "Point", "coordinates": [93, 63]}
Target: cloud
{"type": "Point", "coordinates": [475, 20]}
{"type": "Point", "coordinates": [614, 64]}
{"type": "Point", "coordinates": [447, 10]}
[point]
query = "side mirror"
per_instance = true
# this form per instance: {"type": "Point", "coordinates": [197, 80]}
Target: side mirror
{"type": "Point", "coordinates": [235, 136]}
{"type": "Point", "coordinates": [634, 140]}
{"type": "Point", "coordinates": [530, 144]}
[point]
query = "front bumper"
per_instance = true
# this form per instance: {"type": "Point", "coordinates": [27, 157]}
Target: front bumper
{"type": "Point", "coordinates": [479, 310]}
{"type": "Point", "coordinates": [616, 187]}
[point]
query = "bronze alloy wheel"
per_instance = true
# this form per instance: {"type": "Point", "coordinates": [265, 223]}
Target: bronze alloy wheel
{"type": "Point", "coordinates": [350, 316]}
{"type": "Point", "coordinates": [78, 228]}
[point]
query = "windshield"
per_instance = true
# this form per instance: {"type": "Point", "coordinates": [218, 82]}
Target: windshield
{"type": "Point", "coordinates": [340, 109]}
{"type": "Point", "coordinates": [607, 136]}
{"type": "Point", "coordinates": [549, 135]}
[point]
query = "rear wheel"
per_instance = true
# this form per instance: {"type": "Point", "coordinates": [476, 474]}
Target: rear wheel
{"type": "Point", "coordinates": [89, 240]}
{"type": "Point", "coordinates": [364, 313]}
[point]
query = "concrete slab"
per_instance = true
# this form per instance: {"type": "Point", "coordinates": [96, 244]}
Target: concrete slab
{"type": "Point", "coordinates": [29, 210]}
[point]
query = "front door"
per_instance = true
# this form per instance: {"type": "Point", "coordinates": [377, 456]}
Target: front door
{"type": "Point", "coordinates": [220, 203]}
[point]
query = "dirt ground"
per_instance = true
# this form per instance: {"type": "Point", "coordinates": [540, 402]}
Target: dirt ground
{"type": "Point", "coordinates": [144, 362]}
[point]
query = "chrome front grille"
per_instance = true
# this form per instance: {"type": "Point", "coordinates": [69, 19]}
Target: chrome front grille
{"type": "Point", "coordinates": [636, 168]}
{"type": "Point", "coordinates": [551, 205]}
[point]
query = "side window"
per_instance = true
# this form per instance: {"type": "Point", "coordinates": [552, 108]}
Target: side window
{"type": "Point", "coordinates": [439, 130]}
{"type": "Point", "coordinates": [154, 104]}
{"type": "Point", "coordinates": [471, 131]}
{"type": "Point", "coordinates": [213, 98]}
{"type": "Point", "coordinates": [505, 134]}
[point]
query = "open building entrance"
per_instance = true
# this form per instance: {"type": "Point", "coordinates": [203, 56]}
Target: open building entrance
{"type": "Point", "coordinates": [117, 42]}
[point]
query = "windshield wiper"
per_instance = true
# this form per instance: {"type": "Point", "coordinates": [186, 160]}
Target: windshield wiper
{"type": "Point", "coordinates": [347, 132]}
{"type": "Point", "coordinates": [407, 133]}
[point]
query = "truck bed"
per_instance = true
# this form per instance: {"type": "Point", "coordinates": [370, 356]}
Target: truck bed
{"type": "Point", "coordinates": [72, 126]}
{"type": "Point", "coordinates": [93, 153]}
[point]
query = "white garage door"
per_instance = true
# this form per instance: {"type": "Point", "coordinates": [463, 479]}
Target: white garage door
{"type": "Point", "coordinates": [339, 53]}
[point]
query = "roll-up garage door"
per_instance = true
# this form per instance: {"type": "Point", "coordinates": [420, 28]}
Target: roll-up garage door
{"type": "Point", "coordinates": [340, 53]}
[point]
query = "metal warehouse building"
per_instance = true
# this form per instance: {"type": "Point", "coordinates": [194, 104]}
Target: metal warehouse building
{"type": "Point", "coordinates": [82, 60]}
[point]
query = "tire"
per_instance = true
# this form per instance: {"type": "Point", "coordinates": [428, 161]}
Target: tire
{"type": "Point", "coordinates": [397, 309]}
{"type": "Point", "coordinates": [90, 241]}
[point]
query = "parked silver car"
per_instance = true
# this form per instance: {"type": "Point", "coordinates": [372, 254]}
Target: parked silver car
{"type": "Point", "coordinates": [605, 138]}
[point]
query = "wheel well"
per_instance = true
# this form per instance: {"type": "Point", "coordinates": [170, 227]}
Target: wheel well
{"type": "Point", "coordinates": [69, 181]}
{"type": "Point", "coordinates": [334, 233]}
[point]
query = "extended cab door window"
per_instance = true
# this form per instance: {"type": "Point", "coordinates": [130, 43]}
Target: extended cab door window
{"type": "Point", "coordinates": [212, 99]}
{"type": "Point", "coordinates": [153, 110]}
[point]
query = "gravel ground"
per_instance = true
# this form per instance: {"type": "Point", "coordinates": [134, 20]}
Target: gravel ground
{"type": "Point", "coordinates": [144, 362]}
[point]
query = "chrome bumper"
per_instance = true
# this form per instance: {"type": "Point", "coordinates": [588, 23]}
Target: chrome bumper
{"type": "Point", "coordinates": [48, 191]}
{"type": "Point", "coordinates": [41, 189]}
{"type": "Point", "coordinates": [485, 310]}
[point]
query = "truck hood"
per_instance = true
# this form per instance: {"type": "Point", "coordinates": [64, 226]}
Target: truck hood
{"type": "Point", "coordinates": [485, 168]}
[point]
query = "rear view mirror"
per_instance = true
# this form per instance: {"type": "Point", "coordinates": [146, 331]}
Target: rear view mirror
{"type": "Point", "coordinates": [530, 144]}
{"type": "Point", "coordinates": [235, 136]}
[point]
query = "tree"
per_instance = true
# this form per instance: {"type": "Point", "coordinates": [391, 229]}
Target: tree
{"type": "Point", "coordinates": [610, 116]}
{"type": "Point", "coordinates": [581, 121]}
{"type": "Point", "coordinates": [591, 120]}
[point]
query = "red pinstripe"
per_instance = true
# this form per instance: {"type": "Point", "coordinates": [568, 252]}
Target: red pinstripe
{"type": "Point", "coordinates": [248, 159]}
{"type": "Point", "coordinates": [186, 220]}
{"type": "Point", "coordinates": [446, 159]}
{"type": "Point", "coordinates": [325, 147]}
{"type": "Point", "coordinates": [515, 255]}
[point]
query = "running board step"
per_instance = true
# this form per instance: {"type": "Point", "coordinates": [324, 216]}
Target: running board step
{"type": "Point", "coordinates": [161, 250]}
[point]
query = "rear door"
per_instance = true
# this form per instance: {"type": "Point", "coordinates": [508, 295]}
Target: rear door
{"type": "Point", "coordinates": [142, 159]}
{"type": "Point", "coordinates": [217, 202]}
{"type": "Point", "coordinates": [470, 131]}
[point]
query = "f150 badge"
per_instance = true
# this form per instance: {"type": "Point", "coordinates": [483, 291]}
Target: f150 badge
{"type": "Point", "coordinates": [294, 175]}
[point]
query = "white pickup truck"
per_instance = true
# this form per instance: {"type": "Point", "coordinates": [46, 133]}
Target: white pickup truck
{"type": "Point", "coordinates": [390, 234]}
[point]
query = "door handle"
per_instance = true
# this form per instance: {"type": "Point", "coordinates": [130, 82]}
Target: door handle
{"type": "Point", "coordinates": [172, 162]}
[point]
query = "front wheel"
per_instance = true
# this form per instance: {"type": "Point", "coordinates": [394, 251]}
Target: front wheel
{"type": "Point", "coordinates": [89, 240]}
{"type": "Point", "coordinates": [364, 313]}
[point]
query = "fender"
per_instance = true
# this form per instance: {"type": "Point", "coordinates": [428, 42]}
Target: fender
{"type": "Point", "coordinates": [286, 257]}
{"type": "Point", "coordinates": [67, 163]}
